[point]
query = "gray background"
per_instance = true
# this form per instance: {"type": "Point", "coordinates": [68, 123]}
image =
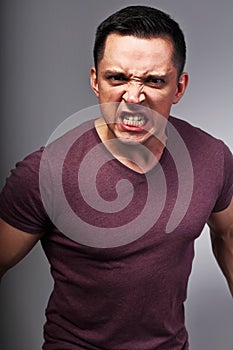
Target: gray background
{"type": "Point", "coordinates": [46, 55]}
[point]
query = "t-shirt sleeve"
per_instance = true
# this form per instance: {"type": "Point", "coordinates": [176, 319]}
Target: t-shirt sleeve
{"type": "Point", "coordinates": [20, 201]}
{"type": "Point", "coordinates": [226, 192]}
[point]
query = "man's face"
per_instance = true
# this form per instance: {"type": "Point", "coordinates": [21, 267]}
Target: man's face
{"type": "Point", "coordinates": [135, 73]}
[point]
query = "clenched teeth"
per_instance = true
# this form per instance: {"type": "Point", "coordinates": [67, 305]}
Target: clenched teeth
{"type": "Point", "coordinates": [134, 120]}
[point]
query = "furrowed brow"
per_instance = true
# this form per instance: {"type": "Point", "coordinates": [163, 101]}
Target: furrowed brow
{"type": "Point", "coordinates": [115, 72]}
{"type": "Point", "coordinates": [156, 76]}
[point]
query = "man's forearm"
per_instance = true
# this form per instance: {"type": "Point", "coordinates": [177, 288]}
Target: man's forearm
{"type": "Point", "coordinates": [223, 251]}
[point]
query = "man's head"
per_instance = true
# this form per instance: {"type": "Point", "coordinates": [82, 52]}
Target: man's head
{"type": "Point", "coordinates": [138, 73]}
{"type": "Point", "coordinates": [142, 22]}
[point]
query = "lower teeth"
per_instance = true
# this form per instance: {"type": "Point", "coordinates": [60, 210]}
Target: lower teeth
{"type": "Point", "coordinates": [139, 123]}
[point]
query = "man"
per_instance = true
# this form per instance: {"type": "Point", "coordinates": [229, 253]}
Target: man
{"type": "Point", "coordinates": [126, 293]}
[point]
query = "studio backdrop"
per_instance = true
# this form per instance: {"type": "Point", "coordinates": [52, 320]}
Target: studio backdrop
{"type": "Point", "coordinates": [46, 56]}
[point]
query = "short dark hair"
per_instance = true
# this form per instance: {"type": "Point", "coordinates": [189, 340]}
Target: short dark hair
{"type": "Point", "coordinates": [142, 22]}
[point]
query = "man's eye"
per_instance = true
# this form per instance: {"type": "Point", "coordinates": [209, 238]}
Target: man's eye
{"type": "Point", "coordinates": [117, 79]}
{"type": "Point", "coordinates": [154, 82]}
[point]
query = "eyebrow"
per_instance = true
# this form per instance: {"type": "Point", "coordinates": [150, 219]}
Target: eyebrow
{"type": "Point", "coordinates": [150, 75]}
{"type": "Point", "coordinates": [117, 72]}
{"type": "Point", "coordinates": [157, 76]}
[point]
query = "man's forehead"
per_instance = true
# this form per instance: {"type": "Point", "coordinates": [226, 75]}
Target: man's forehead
{"type": "Point", "coordinates": [137, 55]}
{"type": "Point", "coordinates": [124, 44]}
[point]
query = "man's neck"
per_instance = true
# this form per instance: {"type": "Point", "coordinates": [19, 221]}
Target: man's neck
{"type": "Point", "coordinates": [139, 157]}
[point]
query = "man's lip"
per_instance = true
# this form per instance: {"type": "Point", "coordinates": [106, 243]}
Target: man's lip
{"type": "Point", "coordinates": [132, 128]}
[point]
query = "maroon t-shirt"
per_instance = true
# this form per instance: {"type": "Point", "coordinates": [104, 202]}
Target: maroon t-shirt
{"type": "Point", "coordinates": [121, 291]}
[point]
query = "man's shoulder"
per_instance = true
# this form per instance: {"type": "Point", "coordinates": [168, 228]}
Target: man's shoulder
{"type": "Point", "coordinates": [31, 162]}
{"type": "Point", "coordinates": [201, 145]}
{"type": "Point", "coordinates": [64, 138]}
{"type": "Point", "coordinates": [192, 133]}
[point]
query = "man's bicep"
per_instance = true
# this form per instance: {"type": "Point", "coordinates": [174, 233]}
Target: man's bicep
{"type": "Point", "coordinates": [14, 245]}
{"type": "Point", "coordinates": [221, 222]}
{"type": "Point", "coordinates": [221, 230]}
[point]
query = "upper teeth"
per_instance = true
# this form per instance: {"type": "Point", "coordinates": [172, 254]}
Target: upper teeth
{"type": "Point", "coordinates": [134, 120]}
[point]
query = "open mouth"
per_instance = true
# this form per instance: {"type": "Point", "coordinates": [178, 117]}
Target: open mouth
{"type": "Point", "coordinates": [137, 120]}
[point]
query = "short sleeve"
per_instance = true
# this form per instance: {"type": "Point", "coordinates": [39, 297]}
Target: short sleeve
{"type": "Point", "coordinates": [226, 193]}
{"type": "Point", "coordinates": [20, 201]}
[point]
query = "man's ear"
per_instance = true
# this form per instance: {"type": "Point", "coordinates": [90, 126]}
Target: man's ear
{"type": "Point", "coordinates": [181, 87]}
{"type": "Point", "coordinates": [94, 81]}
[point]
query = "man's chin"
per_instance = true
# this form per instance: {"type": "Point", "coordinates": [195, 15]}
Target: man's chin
{"type": "Point", "coordinates": [132, 140]}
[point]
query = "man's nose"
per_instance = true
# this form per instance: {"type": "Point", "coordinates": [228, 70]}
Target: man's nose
{"type": "Point", "coordinates": [134, 93]}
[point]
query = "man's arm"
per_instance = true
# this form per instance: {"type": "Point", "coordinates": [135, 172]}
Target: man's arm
{"type": "Point", "coordinates": [14, 245]}
{"type": "Point", "coordinates": [221, 230]}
